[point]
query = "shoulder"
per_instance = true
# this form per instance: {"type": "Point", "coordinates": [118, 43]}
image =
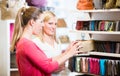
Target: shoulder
{"type": "Point", "coordinates": [25, 43]}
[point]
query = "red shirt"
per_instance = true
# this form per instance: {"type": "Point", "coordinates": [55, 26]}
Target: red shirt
{"type": "Point", "coordinates": [32, 61]}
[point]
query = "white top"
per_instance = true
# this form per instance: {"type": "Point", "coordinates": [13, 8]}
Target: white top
{"type": "Point", "coordinates": [48, 49]}
{"type": "Point", "coordinates": [51, 52]}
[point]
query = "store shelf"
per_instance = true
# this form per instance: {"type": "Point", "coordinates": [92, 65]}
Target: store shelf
{"type": "Point", "coordinates": [81, 74]}
{"type": "Point", "coordinates": [100, 10]}
{"type": "Point", "coordinates": [5, 47]}
{"type": "Point", "coordinates": [100, 54]}
{"type": "Point", "coordinates": [97, 32]}
{"type": "Point", "coordinates": [84, 54]}
{"type": "Point", "coordinates": [13, 69]}
{"type": "Point", "coordinates": [105, 54]}
{"type": "Point", "coordinates": [97, 14]}
{"type": "Point", "coordinates": [91, 11]}
{"type": "Point", "coordinates": [9, 21]}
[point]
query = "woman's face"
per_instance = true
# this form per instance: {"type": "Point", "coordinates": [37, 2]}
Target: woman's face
{"type": "Point", "coordinates": [49, 27]}
{"type": "Point", "coordinates": [37, 28]}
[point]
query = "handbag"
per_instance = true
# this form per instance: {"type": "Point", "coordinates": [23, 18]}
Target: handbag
{"type": "Point", "coordinates": [117, 5]}
{"type": "Point", "coordinates": [87, 45]}
{"type": "Point", "coordinates": [10, 8]}
{"type": "Point", "coordinates": [110, 4]}
{"type": "Point", "coordinates": [85, 4]}
{"type": "Point", "coordinates": [64, 39]}
{"type": "Point", "coordinates": [61, 23]}
{"type": "Point", "coordinates": [79, 25]}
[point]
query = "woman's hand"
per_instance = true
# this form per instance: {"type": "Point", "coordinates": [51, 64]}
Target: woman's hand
{"type": "Point", "coordinates": [69, 52]}
{"type": "Point", "coordinates": [73, 48]}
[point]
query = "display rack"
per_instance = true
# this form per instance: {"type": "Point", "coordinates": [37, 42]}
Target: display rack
{"type": "Point", "coordinates": [5, 48]}
{"type": "Point", "coordinates": [100, 14]}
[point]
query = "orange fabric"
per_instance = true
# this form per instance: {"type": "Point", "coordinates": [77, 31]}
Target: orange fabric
{"type": "Point", "coordinates": [85, 4]}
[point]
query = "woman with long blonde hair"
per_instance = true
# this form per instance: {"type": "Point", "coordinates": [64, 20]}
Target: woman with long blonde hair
{"type": "Point", "coordinates": [47, 39]}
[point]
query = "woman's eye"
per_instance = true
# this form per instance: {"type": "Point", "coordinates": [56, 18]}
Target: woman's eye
{"type": "Point", "coordinates": [41, 21]}
{"type": "Point", "coordinates": [55, 23]}
{"type": "Point", "coordinates": [50, 23]}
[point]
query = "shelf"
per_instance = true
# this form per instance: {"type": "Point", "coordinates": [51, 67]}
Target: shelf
{"type": "Point", "coordinates": [80, 74]}
{"type": "Point", "coordinates": [86, 54]}
{"type": "Point", "coordinates": [90, 11]}
{"type": "Point", "coordinates": [9, 21]}
{"type": "Point", "coordinates": [97, 14]}
{"type": "Point", "coordinates": [97, 32]}
{"type": "Point", "coordinates": [99, 10]}
{"type": "Point", "coordinates": [100, 54]}
{"type": "Point", "coordinates": [13, 69]}
{"type": "Point", "coordinates": [105, 54]}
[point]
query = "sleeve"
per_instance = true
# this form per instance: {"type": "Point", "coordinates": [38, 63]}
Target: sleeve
{"type": "Point", "coordinates": [38, 58]}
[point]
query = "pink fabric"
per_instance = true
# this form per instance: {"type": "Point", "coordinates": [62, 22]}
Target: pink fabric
{"type": "Point", "coordinates": [97, 72]}
{"type": "Point", "coordinates": [32, 61]}
{"type": "Point", "coordinates": [11, 30]}
{"type": "Point", "coordinates": [91, 65]}
{"type": "Point", "coordinates": [94, 66]}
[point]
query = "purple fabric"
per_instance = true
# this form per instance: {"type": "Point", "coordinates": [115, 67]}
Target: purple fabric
{"type": "Point", "coordinates": [37, 3]}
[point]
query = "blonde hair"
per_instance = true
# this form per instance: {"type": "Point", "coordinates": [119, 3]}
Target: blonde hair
{"type": "Point", "coordinates": [22, 18]}
{"type": "Point", "coordinates": [47, 16]}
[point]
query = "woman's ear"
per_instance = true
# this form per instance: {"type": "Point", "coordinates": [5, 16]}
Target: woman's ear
{"type": "Point", "coordinates": [31, 22]}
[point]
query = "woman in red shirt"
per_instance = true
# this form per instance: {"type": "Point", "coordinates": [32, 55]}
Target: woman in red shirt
{"type": "Point", "coordinates": [31, 60]}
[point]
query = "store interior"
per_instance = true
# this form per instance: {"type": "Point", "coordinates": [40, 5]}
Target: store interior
{"type": "Point", "coordinates": [96, 25]}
